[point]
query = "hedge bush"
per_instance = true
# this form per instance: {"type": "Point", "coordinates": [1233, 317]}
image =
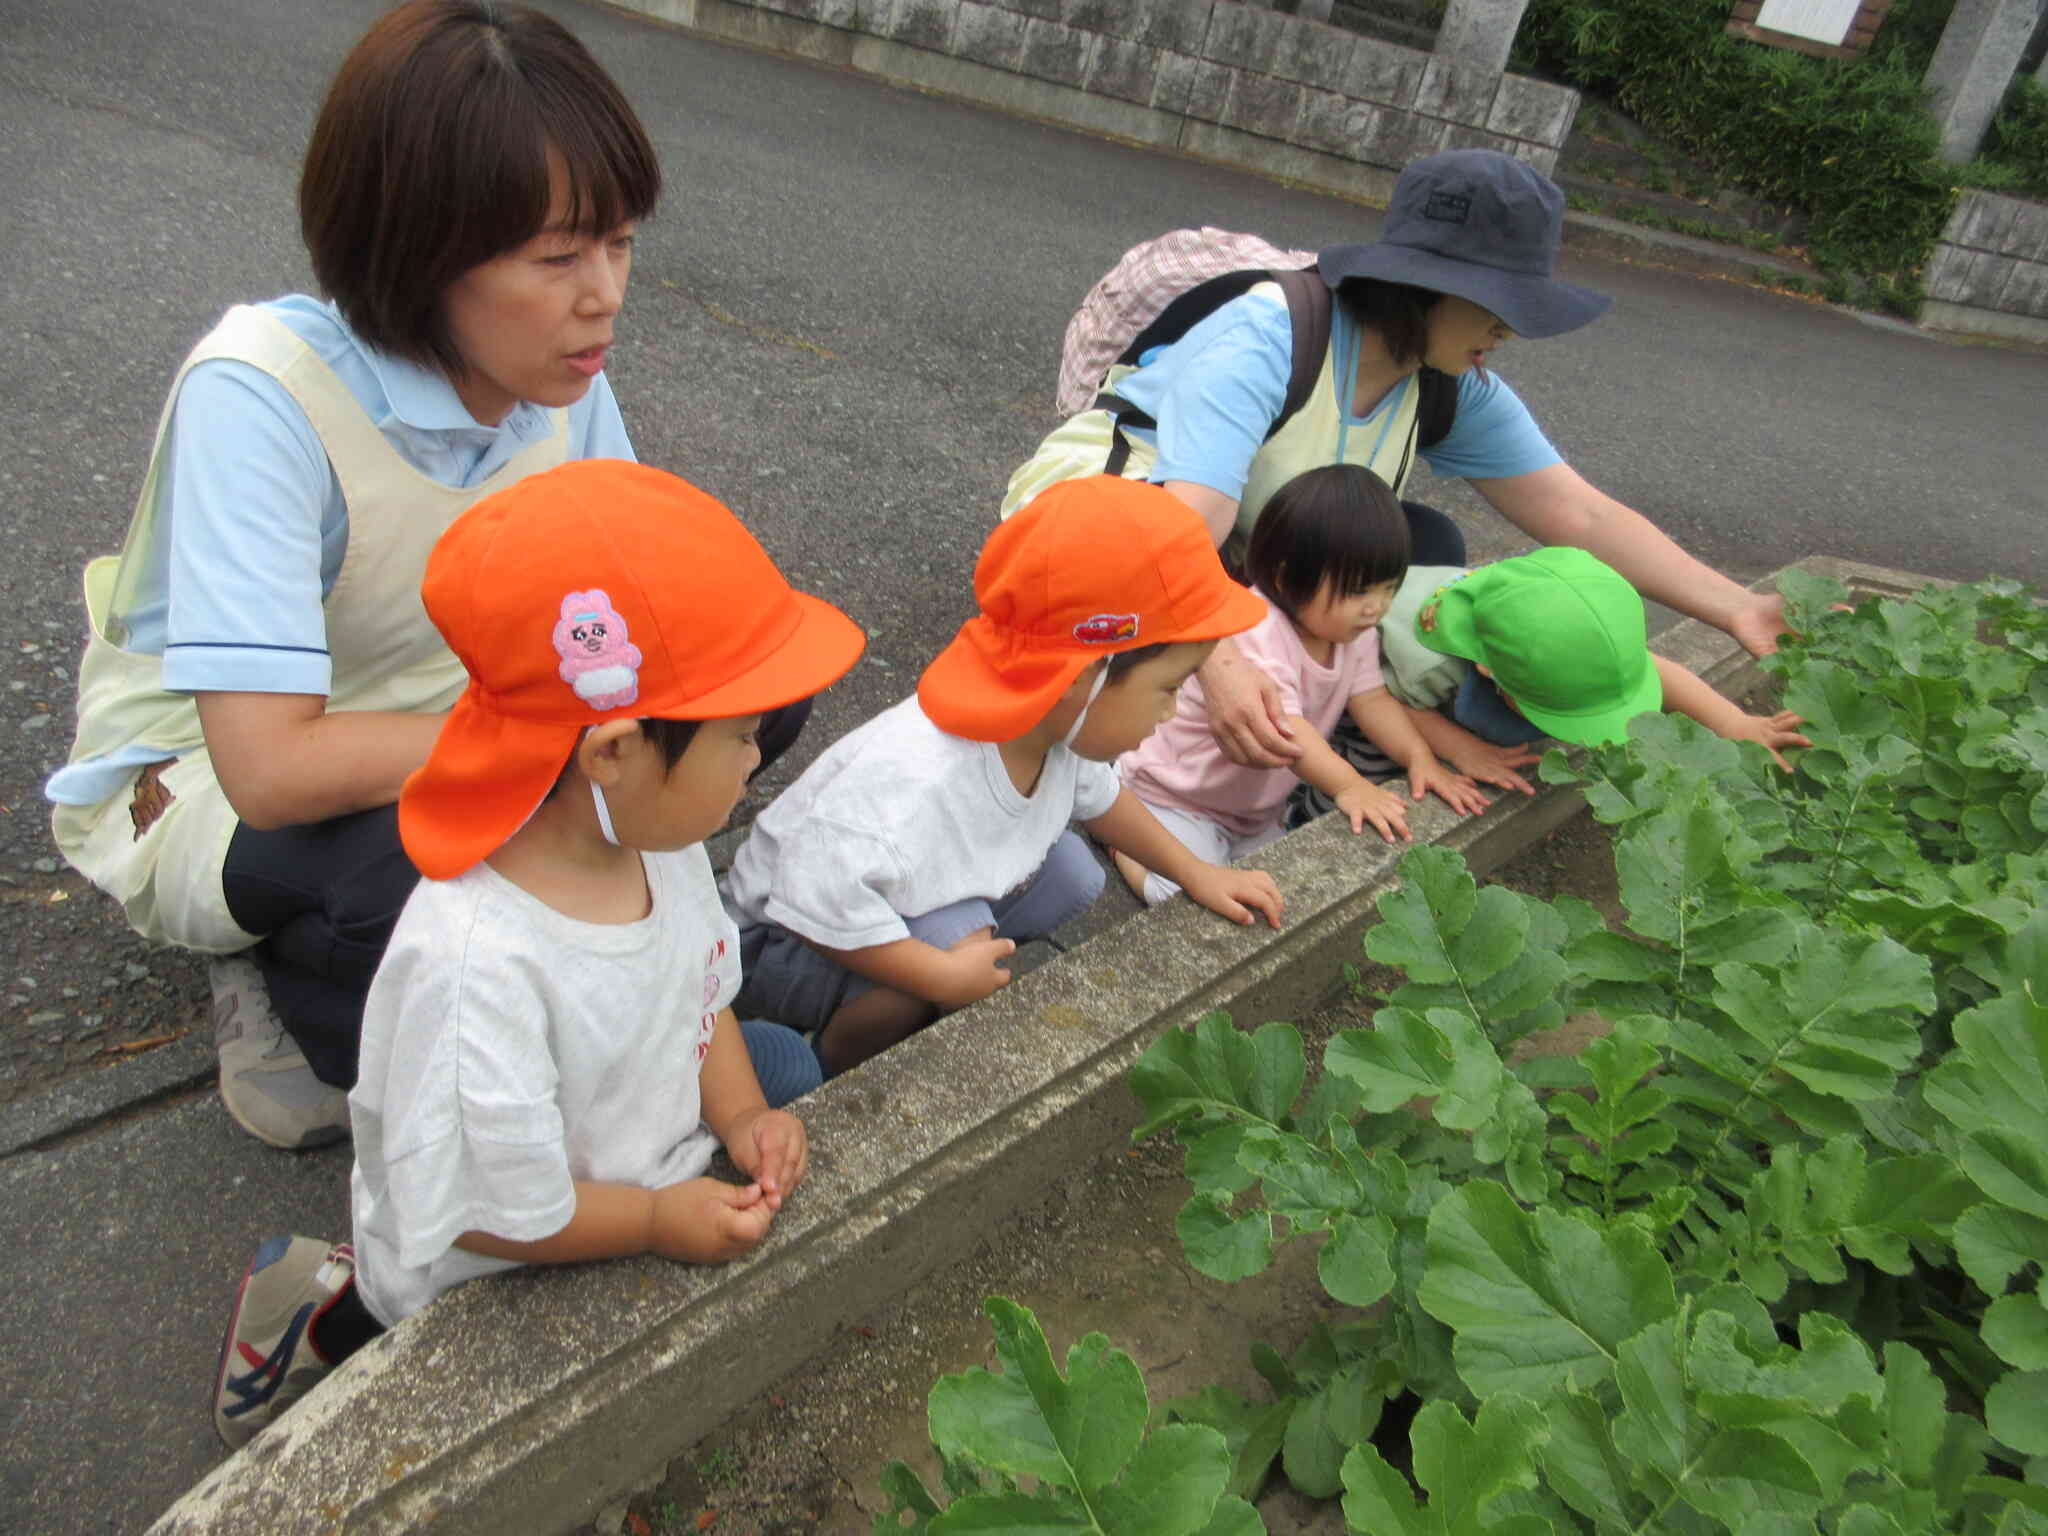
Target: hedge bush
{"type": "Point", "coordinates": [1851, 143]}
{"type": "Point", "coordinates": [2019, 138]}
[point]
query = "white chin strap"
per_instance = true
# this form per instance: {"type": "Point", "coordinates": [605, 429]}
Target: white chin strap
{"type": "Point", "coordinates": [604, 814]}
{"type": "Point", "coordinates": [1101, 677]}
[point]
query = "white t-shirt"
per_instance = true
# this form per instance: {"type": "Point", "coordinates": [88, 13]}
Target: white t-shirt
{"type": "Point", "coordinates": [509, 1051]}
{"type": "Point", "coordinates": [898, 819]}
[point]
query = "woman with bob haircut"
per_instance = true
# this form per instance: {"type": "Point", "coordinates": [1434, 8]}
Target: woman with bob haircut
{"type": "Point", "coordinates": [261, 676]}
{"type": "Point", "coordinates": [1463, 262]}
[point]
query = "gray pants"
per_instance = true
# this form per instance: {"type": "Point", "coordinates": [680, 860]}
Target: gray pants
{"type": "Point", "coordinates": [786, 980]}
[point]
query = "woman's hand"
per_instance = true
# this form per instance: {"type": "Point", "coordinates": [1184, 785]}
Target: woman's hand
{"type": "Point", "coordinates": [772, 1148]}
{"type": "Point", "coordinates": [1758, 624]}
{"type": "Point", "coordinates": [1388, 813]}
{"type": "Point", "coordinates": [1245, 711]}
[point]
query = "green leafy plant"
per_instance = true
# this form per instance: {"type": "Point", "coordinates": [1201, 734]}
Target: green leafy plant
{"type": "Point", "coordinates": [1731, 1217]}
{"type": "Point", "coordinates": [1029, 1449]}
{"type": "Point", "coordinates": [2019, 137]}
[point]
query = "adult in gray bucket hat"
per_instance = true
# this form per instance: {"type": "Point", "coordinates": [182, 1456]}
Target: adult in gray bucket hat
{"type": "Point", "coordinates": [1465, 259]}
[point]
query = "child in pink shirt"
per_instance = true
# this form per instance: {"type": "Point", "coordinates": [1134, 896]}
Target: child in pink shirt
{"type": "Point", "coordinates": [1327, 554]}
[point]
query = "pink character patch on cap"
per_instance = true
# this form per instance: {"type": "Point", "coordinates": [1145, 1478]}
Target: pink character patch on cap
{"type": "Point", "coordinates": [598, 661]}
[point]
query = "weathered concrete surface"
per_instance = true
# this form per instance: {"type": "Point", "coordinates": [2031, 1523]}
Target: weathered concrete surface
{"type": "Point", "coordinates": [1989, 271]}
{"type": "Point", "coordinates": [1967, 78]}
{"type": "Point", "coordinates": [1480, 33]}
{"type": "Point", "coordinates": [528, 1401]}
{"type": "Point", "coordinates": [1242, 84]}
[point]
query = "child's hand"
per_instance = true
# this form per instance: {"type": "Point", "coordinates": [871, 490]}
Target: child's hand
{"type": "Point", "coordinates": [1426, 775]}
{"type": "Point", "coordinates": [1773, 732]}
{"type": "Point", "coordinates": [1236, 893]}
{"type": "Point", "coordinates": [1489, 764]}
{"type": "Point", "coordinates": [707, 1221]}
{"type": "Point", "coordinates": [970, 972]}
{"type": "Point", "coordinates": [1364, 802]}
{"type": "Point", "coordinates": [772, 1147]}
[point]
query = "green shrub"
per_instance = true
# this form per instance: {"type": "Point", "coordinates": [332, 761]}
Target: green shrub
{"type": "Point", "coordinates": [1850, 142]}
{"type": "Point", "coordinates": [2019, 138]}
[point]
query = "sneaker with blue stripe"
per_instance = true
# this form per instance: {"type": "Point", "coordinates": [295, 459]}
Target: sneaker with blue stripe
{"type": "Point", "coordinates": [267, 1357]}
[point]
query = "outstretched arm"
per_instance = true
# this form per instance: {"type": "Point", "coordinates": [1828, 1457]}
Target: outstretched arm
{"type": "Point", "coordinates": [1558, 506]}
{"type": "Point", "coordinates": [1389, 725]}
{"type": "Point", "coordinates": [1687, 693]}
{"type": "Point", "coordinates": [1472, 755]}
{"type": "Point", "coordinates": [1129, 828]}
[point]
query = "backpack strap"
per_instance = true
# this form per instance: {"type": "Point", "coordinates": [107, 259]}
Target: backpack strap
{"type": "Point", "coordinates": [1308, 312]}
{"type": "Point", "coordinates": [1436, 408]}
{"type": "Point", "coordinates": [1308, 316]}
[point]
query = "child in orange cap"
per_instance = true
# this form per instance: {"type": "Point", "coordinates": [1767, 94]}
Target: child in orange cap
{"type": "Point", "coordinates": [549, 1053]}
{"type": "Point", "coordinates": [889, 882]}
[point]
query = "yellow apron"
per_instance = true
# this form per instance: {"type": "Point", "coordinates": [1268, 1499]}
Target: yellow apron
{"type": "Point", "coordinates": [386, 654]}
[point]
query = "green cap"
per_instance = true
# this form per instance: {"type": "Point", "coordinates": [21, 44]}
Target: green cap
{"type": "Point", "coordinates": [1563, 635]}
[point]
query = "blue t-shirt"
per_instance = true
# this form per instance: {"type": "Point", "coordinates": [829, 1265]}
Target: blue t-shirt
{"type": "Point", "coordinates": [1216, 391]}
{"type": "Point", "coordinates": [253, 525]}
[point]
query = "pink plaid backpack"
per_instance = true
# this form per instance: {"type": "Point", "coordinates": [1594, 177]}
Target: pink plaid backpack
{"type": "Point", "coordinates": [1161, 287]}
{"type": "Point", "coordinates": [1158, 291]}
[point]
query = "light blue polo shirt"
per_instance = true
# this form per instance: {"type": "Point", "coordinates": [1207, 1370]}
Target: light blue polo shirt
{"type": "Point", "coordinates": [1216, 391]}
{"type": "Point", "coordinates": [243, 560]}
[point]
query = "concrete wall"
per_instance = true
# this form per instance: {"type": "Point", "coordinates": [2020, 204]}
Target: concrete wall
{"type": "Point", "coordinates": [1228, 82]}
{"type": "Point", "coordinates": [1989, 274]}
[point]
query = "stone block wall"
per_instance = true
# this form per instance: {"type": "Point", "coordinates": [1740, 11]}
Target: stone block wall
{"type": "Point", "coordinates": [1214, 77]}
{"type": "Point", "coordinates": [1990, 271]}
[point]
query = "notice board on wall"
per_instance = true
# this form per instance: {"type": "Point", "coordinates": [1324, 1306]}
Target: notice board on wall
{"type": "Point", "coordinates": [1830, 28]}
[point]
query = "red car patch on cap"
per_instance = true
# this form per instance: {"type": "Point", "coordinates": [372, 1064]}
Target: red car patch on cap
{"type": "Point", "coordinates": [1107, 628]}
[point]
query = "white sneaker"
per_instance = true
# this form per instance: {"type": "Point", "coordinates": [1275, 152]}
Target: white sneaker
{"type": "Point", "coordinates": [264, 1079]}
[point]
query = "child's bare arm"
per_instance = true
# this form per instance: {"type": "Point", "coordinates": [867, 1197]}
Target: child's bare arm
{"type": "Point", "coordinates": [1131, 829]}
{"type": "Point", "coordinates": [949, 978]}
{"type": "Point", "coordinates": [1322, 766]}
{"type": "Point", "coordinates": [1390, 726]}
{"type": "Point", "coordinates": [703, 1221]}
{"type": "Point", "coordinates": [1473, 756]}
{"type": "Point", "coordinates": [1688, 694]}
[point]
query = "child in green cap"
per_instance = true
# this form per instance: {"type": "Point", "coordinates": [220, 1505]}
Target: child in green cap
{"type": "Point", "coordinates": [1551, 643]}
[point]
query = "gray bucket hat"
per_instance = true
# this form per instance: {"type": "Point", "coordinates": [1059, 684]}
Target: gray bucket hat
{"type": "Point", "coordinates": [1480, 225]}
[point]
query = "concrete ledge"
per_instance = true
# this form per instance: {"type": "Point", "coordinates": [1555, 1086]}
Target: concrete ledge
{"type": "Point", "coordinates": [1241, 84]}
{"type": "Point", "coordinates": [103, 1094]}
{"type": "Point", "coordinates": [525, 1402]}
{"type": "Point", "coordinates": [1970, 320]}
{"type": "Point", "coordinates": [1988, 274]}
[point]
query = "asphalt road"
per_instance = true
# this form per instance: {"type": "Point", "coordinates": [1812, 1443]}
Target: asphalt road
{"type": "Point", "coordinates": [845, 322]}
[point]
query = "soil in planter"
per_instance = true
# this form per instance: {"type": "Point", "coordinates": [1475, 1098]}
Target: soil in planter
{"type": "Point", "coordinates": [1098, 1254]}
